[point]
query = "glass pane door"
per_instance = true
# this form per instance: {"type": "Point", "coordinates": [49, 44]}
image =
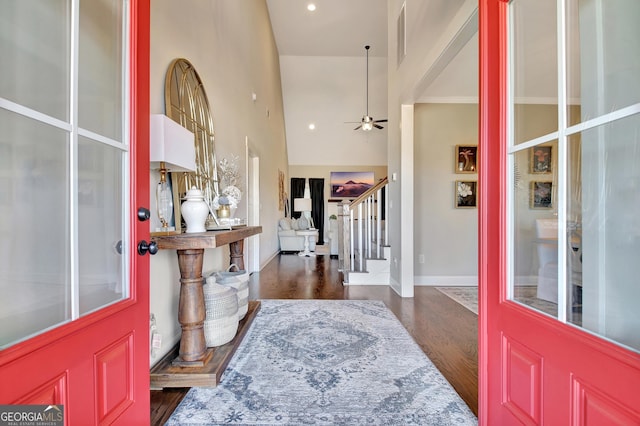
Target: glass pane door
{"type": "Point", "coordinates": [573, 156]}
{"type": "Point", "coordinates": [63, 162]}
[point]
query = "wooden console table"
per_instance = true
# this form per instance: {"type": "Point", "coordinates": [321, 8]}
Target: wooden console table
{"type": "Point", "coordinates": [191, 310]}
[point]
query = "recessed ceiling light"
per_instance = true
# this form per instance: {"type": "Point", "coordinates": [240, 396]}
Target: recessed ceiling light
{"type": "Point", "coordinates": [311, 7]}
{"type": "Point", "coordinates": [312, 126]}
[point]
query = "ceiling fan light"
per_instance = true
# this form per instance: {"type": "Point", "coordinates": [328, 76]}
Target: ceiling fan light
{"type": "Point", "coordinates": [367, 126]}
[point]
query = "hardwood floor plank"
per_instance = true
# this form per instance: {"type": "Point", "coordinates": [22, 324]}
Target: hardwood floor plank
{"type": "Point", "coordinates": [446, 331]}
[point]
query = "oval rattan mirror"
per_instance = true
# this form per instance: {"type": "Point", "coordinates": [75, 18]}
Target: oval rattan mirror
{"type": "Point", "coordinates": [186, 103]}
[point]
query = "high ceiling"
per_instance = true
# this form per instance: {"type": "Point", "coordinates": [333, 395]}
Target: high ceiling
{"type": "Point", "coordinates": [324, 77]}
{"type": "Point", "coordinates": [335, 28]}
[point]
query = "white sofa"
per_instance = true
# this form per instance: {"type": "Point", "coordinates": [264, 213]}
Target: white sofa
{"type": "Point", "coordinates": [289, 241]}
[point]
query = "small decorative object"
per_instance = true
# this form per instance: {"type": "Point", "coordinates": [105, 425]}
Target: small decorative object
{"type": "Point", "coordinates": [466, 159]}
{"type": "Point", "coordinates": [540, 159]}
{"type": "Point", "coordinates": [195, 211]}
{"type": "Point", "coordinates": [228, 172]}
{"type": "Point", "coordinates": [466, 194]}
{"type": "Point", "coordinates": [541, 195]}
{"type": "Point", "coordinates": [224, 210]}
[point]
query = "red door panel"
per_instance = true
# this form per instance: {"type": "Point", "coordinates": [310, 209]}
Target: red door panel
{"type": "Point", "coordinates": [98, 366]}
{"type": "Point", "coordinates": [533, 368]}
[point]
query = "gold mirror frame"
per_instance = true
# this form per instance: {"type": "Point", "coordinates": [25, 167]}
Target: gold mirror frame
{"type": "Point", "coordinates": [186, 103]}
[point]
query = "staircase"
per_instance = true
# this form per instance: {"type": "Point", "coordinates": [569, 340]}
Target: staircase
{"type": "Point", "coordinates": [363, 253]}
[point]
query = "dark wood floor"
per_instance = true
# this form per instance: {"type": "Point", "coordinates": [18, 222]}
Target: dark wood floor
{"type": "Point", "coordinates": [446, 331]}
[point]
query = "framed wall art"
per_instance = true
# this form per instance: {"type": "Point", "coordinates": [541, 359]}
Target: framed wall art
{"type": "Point", "coordinates": [540, 159]}
{"type": "Point", "coordinates": [466, 159]}
{"type": "Point", "coordinates": [466, 194]}
{"type": "Point", "coordinates": [541, 195]}
{"type": "Point", "coordinates": [350, 184]}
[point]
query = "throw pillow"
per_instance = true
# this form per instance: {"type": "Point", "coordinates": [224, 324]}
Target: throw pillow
{"type": "Point", "coordinates": [303, 223]}
{"type": "Point", "coordinates": [294, 224]}
{"type": "Point", "coordinates": [285, 224]}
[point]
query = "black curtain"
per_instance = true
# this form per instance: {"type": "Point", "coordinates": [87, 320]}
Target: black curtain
{"type": "Point", "coordinates": [316, 187]}
{"type": "Point", "coordinates": [297, 191]}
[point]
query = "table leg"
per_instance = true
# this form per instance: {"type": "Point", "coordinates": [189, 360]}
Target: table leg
{"type": "Point", "coordinates": [236, 256]}
{"type": "Point", "coordinates": [191, 310]}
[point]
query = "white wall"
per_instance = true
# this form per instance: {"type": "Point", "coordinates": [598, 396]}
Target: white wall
{"type": "Point", "coordinates": [231, 45]}
{"type": "Point", "coordinates": [426, 56]}
{"type": "Point", "coordinates": [337, 95]}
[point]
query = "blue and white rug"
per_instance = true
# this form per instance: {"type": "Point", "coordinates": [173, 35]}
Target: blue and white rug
{"type": "Point", "coordinates": [326, 362]}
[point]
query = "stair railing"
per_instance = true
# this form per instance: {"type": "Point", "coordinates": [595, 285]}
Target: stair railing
{"type": "Point", "coordinates": [361, 228]}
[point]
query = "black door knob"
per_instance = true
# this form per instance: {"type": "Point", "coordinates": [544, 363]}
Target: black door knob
{"type": "Point", "coordinates": [143, 214]}
{"type": "Point", "coordinates": [144, 247]}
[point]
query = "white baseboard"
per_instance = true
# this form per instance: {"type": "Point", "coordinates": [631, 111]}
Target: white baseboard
{"type": "Point", "coordinates": [446, 280]}
{"type": "Point", "coordinates": [464, 280]}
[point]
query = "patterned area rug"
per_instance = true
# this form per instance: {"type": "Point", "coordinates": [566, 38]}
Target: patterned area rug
{"type": "Point", "coordinates": [326, 362]}
{"type": "Point", "coordinates": [468, 297]}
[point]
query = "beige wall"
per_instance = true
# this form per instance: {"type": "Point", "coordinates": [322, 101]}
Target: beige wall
{"type": "Point", "coordinates": [324, 172]}
{"type": "Point", "coordinates": [231, 45]}
{"type": "Point", "coordinates": [447, 236]}
{"type": "Point", "coordinates": [444, 235]}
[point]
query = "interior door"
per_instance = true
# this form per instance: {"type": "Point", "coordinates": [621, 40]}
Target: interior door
{"type": "Point", "coordinates": [558, 335]}
{"type": "Point", "coordinates": [74, 290]}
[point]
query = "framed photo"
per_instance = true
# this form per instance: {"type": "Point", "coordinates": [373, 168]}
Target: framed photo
{"type": "Point", "coordinates": [540, 159]}
{"type": "Point", "coordinates": [466, 194]}
{"type": "Point", "coordinates": [541, 195]}
{"type": "Point", "coordinates": [466, 159]}
{"type": "Point", "coordinates": [350, 184]}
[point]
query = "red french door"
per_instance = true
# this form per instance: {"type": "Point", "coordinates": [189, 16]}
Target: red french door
{"type": "Point", "coordinates": [568, 353]}
{"type": "Point", "coordinates": [94, 360]}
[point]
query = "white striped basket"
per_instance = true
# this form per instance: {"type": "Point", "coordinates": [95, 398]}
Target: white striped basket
{"type": "Point", "coordinates": [221, 319]}
{"type": "Point", "coordinates": [238, 280]}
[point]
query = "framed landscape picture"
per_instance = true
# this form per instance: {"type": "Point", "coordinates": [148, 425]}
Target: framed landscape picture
{"type": "Point", "coordinates": [466, 159]}
{"type": "Point", "coordinates": [466, 194]}
{"type": "Point", "coordinates": [350, 184]}
{"type": "Point", "coordinates": [541, 195]}
{"type": "Point", "coordinates": [540, 159]}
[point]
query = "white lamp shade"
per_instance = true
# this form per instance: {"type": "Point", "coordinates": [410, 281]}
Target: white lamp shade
{"type": "Point", "coordinates": [172, 144]}
{"type": "Point", "coordinates": [302, 204]}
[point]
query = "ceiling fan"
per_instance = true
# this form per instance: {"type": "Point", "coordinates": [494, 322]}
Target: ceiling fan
{"type": "Point", "coordinates": [368, 123]}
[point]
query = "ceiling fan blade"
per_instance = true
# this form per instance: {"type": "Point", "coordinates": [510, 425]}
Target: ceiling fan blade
{"type": "Point", "coordinates": [358, 127]}
{"type": "Point", "coordinates": [380, 121]}
{"type": "Point", "coordinates": [377, 126]}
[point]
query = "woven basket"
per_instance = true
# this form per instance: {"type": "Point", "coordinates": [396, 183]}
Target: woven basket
{"type": "Point", "coordinates": [238, 280]}
{"type": "Point", "coordinates": [240, 274]}
{"type": "Point", "coordinates": [221, 314]}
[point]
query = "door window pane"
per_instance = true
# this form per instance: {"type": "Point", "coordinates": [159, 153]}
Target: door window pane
{"type": "Point", "coordinates": [609, 231]}
{"type": "Point", "coordinates": [34, 52]}
{"type": "Point", "coordinates": [100, 68]}
{"type": "Point", "coordinates": [100, 225]}
{"type": "Point", "coordinates": [34, 242]}
{"type": "Point", "coordinates": [602, 56]}
{"type": "Point", "coordinates": [533, 46]}
{"type": "Point", "coordinates": [535, 228]}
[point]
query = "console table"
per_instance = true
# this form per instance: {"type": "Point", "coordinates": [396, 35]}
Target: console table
{"type": "Point", "coordinates": [193, 350]}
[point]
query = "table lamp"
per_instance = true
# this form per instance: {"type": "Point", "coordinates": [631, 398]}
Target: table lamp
{"type": "Point", "coordinates": [304, 205]}
{"type": "Point", "coordinates": [172, 148]}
